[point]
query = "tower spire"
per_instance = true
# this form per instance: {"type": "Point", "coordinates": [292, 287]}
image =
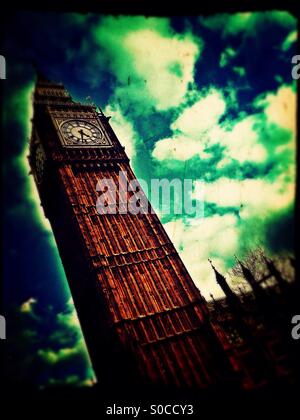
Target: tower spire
{"type": "Point", "coordinates": [275, 273]}
{"type": "Point", "coordinates": [221, 280]}
{"type": "Point", "coordinates": [249, 277]}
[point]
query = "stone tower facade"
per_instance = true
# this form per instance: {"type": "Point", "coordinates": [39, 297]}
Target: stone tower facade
{"type": "Point", "coordinates": [143, 318]}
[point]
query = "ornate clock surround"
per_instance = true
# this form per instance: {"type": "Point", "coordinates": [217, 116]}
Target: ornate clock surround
{"type": "Point", "coordinates": [80, 129]}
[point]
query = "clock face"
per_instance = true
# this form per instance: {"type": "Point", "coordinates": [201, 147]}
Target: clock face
{"type": "Point", "coordinates": [40, 160]}
{"type": "Point", "coordinates": [82, 133]}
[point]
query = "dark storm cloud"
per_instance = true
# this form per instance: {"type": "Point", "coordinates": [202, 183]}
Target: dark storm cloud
{"type": "Point", "coordinates": [46, 347]}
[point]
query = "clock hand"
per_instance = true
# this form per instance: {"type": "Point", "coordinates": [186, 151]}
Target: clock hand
{"type": "Point", "coordinates": [82, 133]}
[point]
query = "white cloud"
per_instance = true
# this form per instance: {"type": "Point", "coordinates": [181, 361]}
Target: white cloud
{"type": "Point", "coordinates": [166, 63]}
{"type": "Point", "coordinates": [241, 71]}
{"type": "Point", "coordinates": [227, 23]}
{"type": "Point", "coordinates": [202, 115]}
{"type": "Point", "coordinates": [52, 357]}
{"type": "Point", "coordinates": [289, 40]}
{"type": "Point", "coordinates": [69, 318]}
{"type": "Point", "coordinates": [22, 106]}
{"type": "Point", "coordinates": [227, 55]}
{"type": "Point", "coordinates": [242, 142]}
{"type": "Point", "coordinates": [123, 129]}
{"type": "Point", "coordinates": [179, 147]}
{"type": "Point", "coordinates": [214, 237]}
{"type": "Point", "coordinates": [154, 65]}
{"type": "Point", "coordinates": [73, 380]}
{"type": "Point", "coordinates": [192, 129]}
{"type": "Point", "coordinates": [247, 23]}
{"type": "Point", "coordinates": [257, 196]}
{"type": "Point", "coordinates": [198, 128]}
{"type": "Point", "coordinates": [63, 345]}
{"type": "Point", "coordinates": [221, 236]}
{"type": "Point", "coordinates": [280, 107]}
{"type": "Point", "coordinates": [28, 305]}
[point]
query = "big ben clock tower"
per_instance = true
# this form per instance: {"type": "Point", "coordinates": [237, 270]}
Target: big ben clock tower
{"type": "Point", "coordinates": [143, 319]}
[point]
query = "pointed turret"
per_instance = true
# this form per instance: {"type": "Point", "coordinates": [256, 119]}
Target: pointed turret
{"type": "Point", "coordinates": [275, 273]}
{"type": "Point", "coordinates": [221, 280]}
{"type": "Point", "coordinates": [249, 277]}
